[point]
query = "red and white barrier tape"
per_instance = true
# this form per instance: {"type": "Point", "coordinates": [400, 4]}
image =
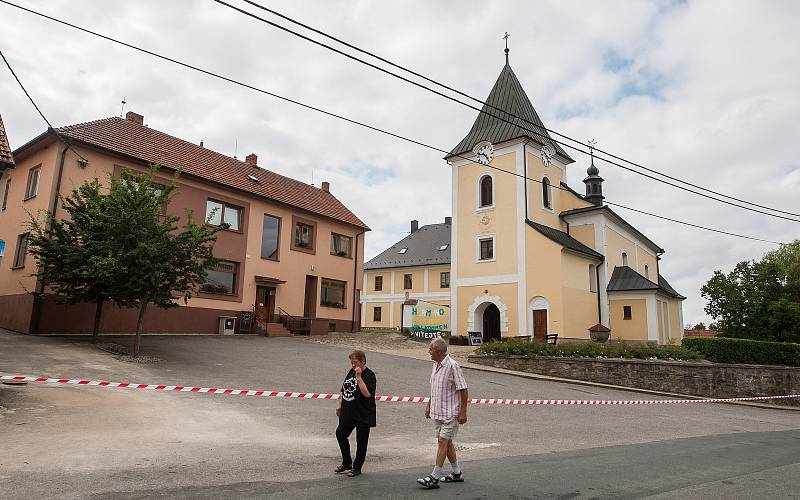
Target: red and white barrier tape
{"type": "Point", "coordinates": [393, 399]}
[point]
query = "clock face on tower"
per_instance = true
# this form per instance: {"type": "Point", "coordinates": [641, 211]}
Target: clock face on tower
{"type": "Point", "coordinates": [485, 153]}
{"type": "Point", "coordinates": [547, 154]}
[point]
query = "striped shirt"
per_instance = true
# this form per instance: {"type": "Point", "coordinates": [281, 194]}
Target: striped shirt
{"type": "Point", "coordinates": [446, 381]}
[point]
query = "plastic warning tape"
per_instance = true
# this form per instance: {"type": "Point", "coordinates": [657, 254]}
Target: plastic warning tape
{"type": "Point", "coordinates": [393, 399]}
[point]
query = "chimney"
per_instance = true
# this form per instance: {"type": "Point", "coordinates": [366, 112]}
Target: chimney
{"type": "Point", "coordinates": [448, 220]}
{"type": "Point", "coordinates": [135, 118]}
{"type": "Point", "coordinates": [251, 159]}
{"type": "Point", "coordinates": [326, 186]}
{"type": "Point", "coordinates": [201, 143]}
{"type": "Point", "coordinates": [414, 226]}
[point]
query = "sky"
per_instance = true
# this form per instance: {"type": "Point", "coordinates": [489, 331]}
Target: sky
{"type": "Point", "coordinates": [706, 91]}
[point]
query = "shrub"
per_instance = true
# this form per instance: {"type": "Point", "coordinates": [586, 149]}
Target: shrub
{"type": "Point", "coordinates": [587, 350]}
{"type": "Point", "coordinates": [730, 350]}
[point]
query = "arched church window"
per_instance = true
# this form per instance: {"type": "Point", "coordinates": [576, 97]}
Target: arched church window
{"type": "Point", "coordinates": [624, 259]}
{"type": "Point", "coordinates": [486, 191]}
{"type": "Point", "coordinates": [547, 194]}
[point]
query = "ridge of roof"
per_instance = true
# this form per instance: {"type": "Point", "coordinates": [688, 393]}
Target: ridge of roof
{"type": "Point", "coordinates": [565, 240]}
{"type": "Point", "coordinates": [6, 156]}
{"type": "Point", "coordinates": [422, 248]}
{"type": "Point", "coordinates": [619, 218]}
{"type": "Point", "coordinates": [507, 97]}
{"type": "Point", "coordinates": [125, 137]}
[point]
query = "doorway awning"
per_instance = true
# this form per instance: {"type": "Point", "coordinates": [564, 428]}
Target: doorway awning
{"type": "Point", "coordinates": [269, 280]}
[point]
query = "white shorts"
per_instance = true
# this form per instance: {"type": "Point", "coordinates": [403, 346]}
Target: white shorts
{"type": "Point", "coordinates": [447, 428]}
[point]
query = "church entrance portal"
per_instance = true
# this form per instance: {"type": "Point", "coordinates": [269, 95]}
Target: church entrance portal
{"type": "Point", "coordinates": [491, 323]}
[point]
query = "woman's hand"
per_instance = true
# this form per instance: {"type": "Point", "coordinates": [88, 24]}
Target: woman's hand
{"type": "Point", "coordinates": [358, 371]}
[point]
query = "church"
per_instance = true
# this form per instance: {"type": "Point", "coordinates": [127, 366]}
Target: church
{"type": "Point", "coordinates": [523, 253]}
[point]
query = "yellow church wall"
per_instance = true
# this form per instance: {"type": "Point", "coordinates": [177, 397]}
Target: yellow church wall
{"type": "Point", "coordinates": [583, 233]}
{"type": "Point", "coordinates": [569, 201]}
{"type": "Point", "coordinates": [675, 326]}
{"type": "Point", "coordinates": [645, 259]}
{"type": "Point", "coordinates": [661, 311]}
{"type": "Point", "coordinates": [507, 293]}
{"type": "Point", "coordinates": [629, 329]}
{"type": "Point", "coordinates": [615, 245]}
{"type": "Point", "coordinates": [536, 211]}
{"type": "Point", "coordinates": [499, 220]}
{"type": "Point", "coordinates": [543, 278]}
{"type": "Point", "coordinates": [580, 304]}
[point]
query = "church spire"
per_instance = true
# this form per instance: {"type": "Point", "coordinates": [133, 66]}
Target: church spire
{"type": "Point", "coordinates": [505, 37]}
{"type": "Point", "coordinates": [593, 181]}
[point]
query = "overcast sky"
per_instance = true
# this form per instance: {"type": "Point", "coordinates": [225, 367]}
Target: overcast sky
{"type": "Point", "coordinates": [705, 91]}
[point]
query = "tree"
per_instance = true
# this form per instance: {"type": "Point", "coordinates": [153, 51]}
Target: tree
{"type": "Point", "coordinates": [120, 246]}
{"type": "Point", "coordinates": [699, 326]}
{"type": "Point", "coordinates": [159, 263]}
{"type": "Point", "coordinates": [758, 300]}
{"type": "Point", "coordinates": [74, 256]}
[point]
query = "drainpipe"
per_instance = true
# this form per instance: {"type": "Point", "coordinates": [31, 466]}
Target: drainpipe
{"type": "Point", "coordinates": [355, 280]}
{"type": "Point", "coordinates": [597, 278]}
{"type": "Point", "coordinates": [36, 310]}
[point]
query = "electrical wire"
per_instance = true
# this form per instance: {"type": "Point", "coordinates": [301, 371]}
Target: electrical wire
{"type": "Point", "coordinates": [314, 108]}
{"type": "Point", "coordinates": [540, 134]}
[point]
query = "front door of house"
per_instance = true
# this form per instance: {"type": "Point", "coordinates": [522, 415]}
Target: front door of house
{"type": "Point", "coordinates": [491, 323]}
{"type": "Point", "coordinates": [539, 323]}
{"type": "Point", "coordinates": [310, 306]}
{"type": "Point", "coordinates": [265, 303]}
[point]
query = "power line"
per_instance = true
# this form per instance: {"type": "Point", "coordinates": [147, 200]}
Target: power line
{"type": "Point", "coordinates": [38, 110]}
{"type": "Point", "coordinates": [304, 105]}
{"type": "Point", "coordinates": [540, 134]}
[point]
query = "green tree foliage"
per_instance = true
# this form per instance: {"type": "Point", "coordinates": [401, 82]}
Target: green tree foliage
{"type": "Point", "coordinates": [134, 253]}
{"type": "Point", "coordinates": [699, 326]}
{"type": "Point", "coordinates": [758, 300]}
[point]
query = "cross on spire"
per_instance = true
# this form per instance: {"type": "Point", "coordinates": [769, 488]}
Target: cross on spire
{"type": "Point", "coordinates": [505, 37]}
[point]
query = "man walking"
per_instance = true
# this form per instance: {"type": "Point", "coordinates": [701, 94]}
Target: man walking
{"type": "Point", "coordinates": [448, 409]}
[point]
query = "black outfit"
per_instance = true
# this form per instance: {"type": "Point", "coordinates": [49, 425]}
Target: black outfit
{"type": "Point", "coordinates": [358, 412]}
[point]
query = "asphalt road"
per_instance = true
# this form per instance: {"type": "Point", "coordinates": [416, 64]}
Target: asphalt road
{"type": "Point", "coordinates": [85, 442]}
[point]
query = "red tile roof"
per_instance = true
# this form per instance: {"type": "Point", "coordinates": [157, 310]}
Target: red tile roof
{"type": "Point", "coordinates": [699, 333]}
{"type": "Point", "coordinates": [6, 158]}
{"type": "Point", "coordinates": [147, 144]}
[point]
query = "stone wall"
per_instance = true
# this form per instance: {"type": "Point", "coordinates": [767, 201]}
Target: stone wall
{"type": "Point", "coordinates": [713, 380]}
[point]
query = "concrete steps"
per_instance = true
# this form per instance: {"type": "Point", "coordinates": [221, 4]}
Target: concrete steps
{"type": "Point", "coordinates": [277, 330]}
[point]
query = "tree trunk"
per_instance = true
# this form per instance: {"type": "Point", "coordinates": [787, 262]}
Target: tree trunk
{"type": "Point", "coordinates": [96, 328]}
{"type": "Point", "coordinates": [138, 339]}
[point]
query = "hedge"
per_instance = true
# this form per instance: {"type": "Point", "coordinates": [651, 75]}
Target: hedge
{"type": "Point", "coordinates": [587, 350]}
{"type": "Point", "coordinates": [757, 352]}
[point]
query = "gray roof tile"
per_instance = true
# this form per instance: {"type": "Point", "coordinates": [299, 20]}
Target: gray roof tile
{"type": "Point", "coordinates": [625, 279]}
{"type": "Point", "coordinates": [422, 249]}
{"type": "Point", "coordinates": [565, 240]}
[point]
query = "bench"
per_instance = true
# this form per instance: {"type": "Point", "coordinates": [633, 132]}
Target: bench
{"type": "Point", "coordinates": [551, 338]}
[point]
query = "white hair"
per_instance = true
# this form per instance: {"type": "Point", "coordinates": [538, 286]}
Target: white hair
{"type": "Point", "coordinates": [439, 344]}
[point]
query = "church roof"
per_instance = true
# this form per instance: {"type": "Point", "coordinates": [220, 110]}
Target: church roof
{"type": "Point", "coordinates": [6, 158]}
{"type": "Point", "coordinates": [509, 96]}
{"type": "Point", "coordinates": [421, 249]}
{"type": "Point", "coordinates": [565, 240]}
{"type": "Point", "coordinates": [625, 279]}
{"type": "Point", "coordinates": [615, 216]}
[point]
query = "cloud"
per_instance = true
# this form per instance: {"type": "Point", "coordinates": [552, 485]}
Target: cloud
{"type": "Point", "coordinates": [699, 90]}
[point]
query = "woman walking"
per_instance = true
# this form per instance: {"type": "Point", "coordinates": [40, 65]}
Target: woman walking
{"type": "Point", "coordinates": [356, 411]}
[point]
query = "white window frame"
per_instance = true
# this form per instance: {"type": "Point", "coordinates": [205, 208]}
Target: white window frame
{"type": "Point", "coordinates": [551, 208]}
{"type": "Point", "coordinates": [32, 185]}
{"type": "Point", "coordinates": [592, 278]}
{"type": "Point", "coordinates": [478, 206]}
{"type": "Point", "coordinates": [478, 248]}
{"type": "Point", "coordinates": [647, 271]}
{"type": "Point", "coordinates": [624, 258]}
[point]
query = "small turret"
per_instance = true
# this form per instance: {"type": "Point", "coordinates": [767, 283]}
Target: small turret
{"type": "Point", "coordinates": [594, 185]}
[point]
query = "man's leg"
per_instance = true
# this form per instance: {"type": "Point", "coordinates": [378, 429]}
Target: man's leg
{"type": "Point", "coordinates": [451, 452]}
{"type": "Point", "coordinates": [442, 450]}
{"type": "Point", "coordinates": [342, 434]}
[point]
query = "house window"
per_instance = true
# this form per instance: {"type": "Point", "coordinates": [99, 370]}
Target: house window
{"type": "Point", "coordinates": [5, 193]}
{"type": "Point", "coordinates": [378, 283]}
{"type": "Point", "coordinates": [340, 245]}
{"type": "Point", "coordinates": [486, 191]}
{"type": "Point", "coordinates": [647, 271]}
{"type": "Point", "coordinates": [22, 249]}
{"type": "Point", "coordinates": [626, 312]}
{"type": "Point", "coordinates": [444, 279]}
{"type": "Point", "coordinates": [402, 251]}
{"type": "Point", "coordinates": [486, 248]}
{"type": "Point", "coordinates": [2, 250]}
{"type": "Point", "coordinates": [407, 282]}
{"type": "Point", "coordinates": [270, 237]}
{"type": "Point", "coordinates": [547, 194]}
{"type": "Point", "coordinates": [218, 213]}
{"type": "Point", "coordinates": [624, 259]}
{"type": "Point", "coordinates": [332, 293]}
{"type": "Point", "coordinates": [376, 314]}
{"type": "Point", "coordinates": [33, 182]}
{"type": "Point", "coordinates": [221, 279]}
{"type": "Point", "coordinates": [592, 278]}
{"type": "Point", "coordinates": [303, 235]}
